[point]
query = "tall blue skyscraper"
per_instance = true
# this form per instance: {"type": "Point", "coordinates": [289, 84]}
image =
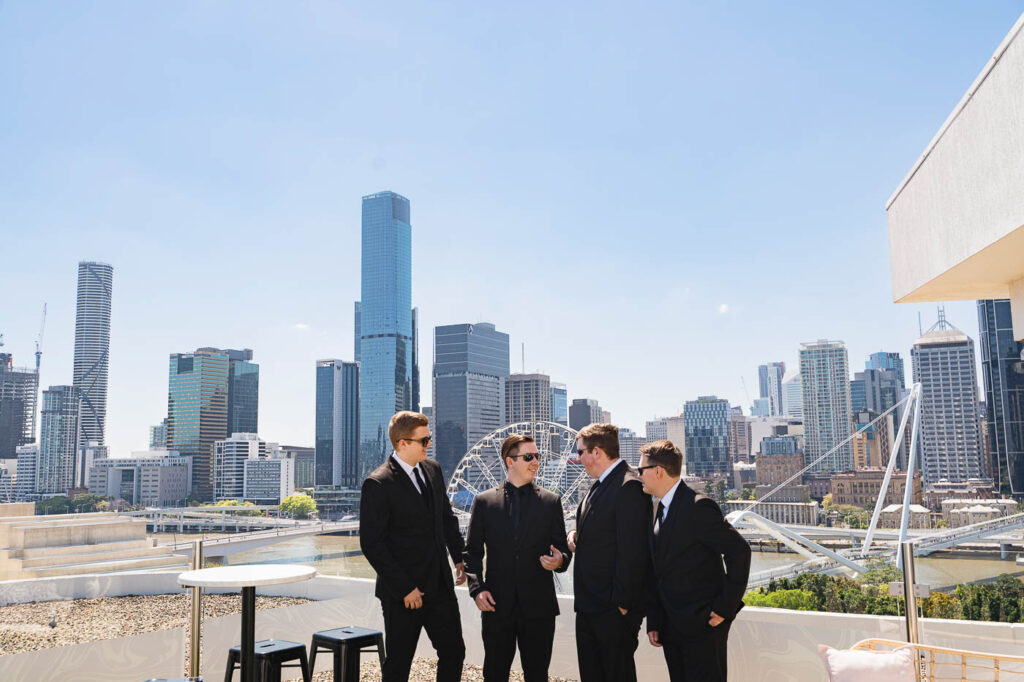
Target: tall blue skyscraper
{"type": "Point", "coordinates": [892, 361]}
{"type": "Point", "coordinates": [243, 390]}
{"type": "Point", "coordinates": [385, 321]}
{"type": "Point", "coordinates": [1002, 368]}
{"type": "Point", "coordinates": [197, 411]}
{"type": "Point", "coordinates": [336, 458]}
{"type": "Point", "coordinates": [471, 365]}
{"type": "Point", "coordinates": [706, 422]}
{"type": "Point", "coordinates": [559, 404]}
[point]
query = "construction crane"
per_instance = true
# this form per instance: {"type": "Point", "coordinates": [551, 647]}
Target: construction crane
{"type": "Point", "coordinates": [39, 340]}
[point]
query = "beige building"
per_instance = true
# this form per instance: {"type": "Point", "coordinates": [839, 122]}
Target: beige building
{"type": "Point", "coordinates": [892, 517]}
{"type": "Point", "coordinates": [788, 513]}
{"type": "Point", "coordinates": [860, 488]}
{"type": "Point", "coordinates": [963, 512]}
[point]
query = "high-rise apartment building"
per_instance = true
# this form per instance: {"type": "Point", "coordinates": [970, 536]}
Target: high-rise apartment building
{"type": "Point", "coordinates": [950, 431]}
{"type": "Point", "coordinates": [197, 411]}
{"type": "Point", "coordinates": [27, 467]}
{"type": "Point", "coordinates": [384, 314]}
{"type": "Point", "coordinates": [630, 443]}
{"type": "Point", "coordinates": [18, 390]}
{"type": "Point", "coordinates": [559, 404]}
{"type": "Point", "coordinates": [824, 373]}
{"type": "Point", "coordinates": [769, 379]}
{"type": "Point", "coordinates": [92, 347]}
{"type": "Point", "coordinates": [584, 411]}
{"type": "Point", "coordinates": [229, 458]}
{"type": "Point", "coordinates": [706, 420]}
{"type": "Point", "coordinates": [739, 436]}
{"type": "Point", "coordinates": [1002, 370]}
{"type": "Point", "coordinates": [337, 424]}
{"type": "Point", "coordinates": [471, 366]}
{"type": "Point", "coordinates": [58, 440]}
{"type": "Point", "coordinates": [527, 398]}
{"type": "Point", "coordinates": [793, 397]}
{"type": "Point", "coordinates": [158, 435]}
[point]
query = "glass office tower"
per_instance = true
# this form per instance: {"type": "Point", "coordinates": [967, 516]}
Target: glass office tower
{"type": "Point", "coordinates": [197, 411]}
{"type": "Point", "coordinates": [559, 404]}
{"type": "Point", "coordinates": [1002, 367]}
{"type": "Point", "coordinates": [337, 424]}
{"type": "Point", "coordinates": [58, 439]}
{"type": "Point", "coordinates": [243, 392]}
{"type": "Point", "coordinates": [471, 364]}
{"type": "Point", "coordinates": [385, 343]}
{"type": "Point", "coordinates": [706, 422]}
{"type": "Point", "coordinates": [92, 348]}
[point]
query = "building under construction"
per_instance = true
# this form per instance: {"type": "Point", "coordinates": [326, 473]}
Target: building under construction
{"type": "Point", "coordinates": [19, 388]}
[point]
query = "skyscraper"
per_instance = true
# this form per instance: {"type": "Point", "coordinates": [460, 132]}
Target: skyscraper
{"type": "Point", "coordinates": [583, 411]}
{"type": "Point", "coordinates": [197, 411]}
{"type": "Point", "coordinates": [471, 365]}
{"type": "Point", "coordinates": [793, 397]}
{"type": "Point", "coordinates": [875, 389]}
{"type": "Point", "coordinates": [888, 361]}
{"type": "Point", "coordinates": [527, 398]}
{"type": "Point", "coordinates": [706, 421]}
{"type": "Point", "coordinates": [92, 347]}
{"type": "Point", "coordinates": [1002, 368]}
{"type": "Point", "coordinates": [950, 432]}
{"type": "Point", "coordinates": [337, 424]}
{"type": "Point", "coordinates": [769, 378]}
{"type": "Point", "coordinates": [58, 439]}
{"type": "Point", "coordinates": [824, 373]}
{"type": "Point", "coordinates": [415, 360]}
{"type": "Point", "coordinates": [559, 404]}
{"type": "Point", "coordinates": [229, 457]}
{"type": "Point", "coordinates": [243, 391]}
{"type": "Point", "coordinates": [384, 312]}
{"type": "Point", "coordinates": [18, 390]}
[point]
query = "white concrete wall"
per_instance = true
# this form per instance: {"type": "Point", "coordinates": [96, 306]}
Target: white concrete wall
{"type": "Point", "coordinates": [768, 645]}
{"type": "Point", "coordinates": [955, 222]}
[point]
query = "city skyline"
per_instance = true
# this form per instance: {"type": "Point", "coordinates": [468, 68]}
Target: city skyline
{"type": "Point", "coordinates": [279, 223]}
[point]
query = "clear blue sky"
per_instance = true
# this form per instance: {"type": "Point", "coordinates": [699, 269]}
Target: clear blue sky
{"type": "Point", "coordinates": [655, 198]}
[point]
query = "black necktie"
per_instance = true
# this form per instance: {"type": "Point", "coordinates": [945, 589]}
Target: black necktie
{"type": "Point", "coordinates": [514, 505]}
{"type": "Point", "coordinates": [590, 495]}
{"type": "Point", "coordinates": [659, 520]}
{"type": "Point", "coordinates": [421, 485]}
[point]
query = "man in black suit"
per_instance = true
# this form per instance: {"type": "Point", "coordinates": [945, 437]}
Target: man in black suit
{"type": "Point", "coordinates": [610, 544]}
{"type": "Point", "coordinates": [406, 529]}
{"type": "Point", "coordinates": [693, 600]}
{"type": "Point", "coordinates": [521, 528]}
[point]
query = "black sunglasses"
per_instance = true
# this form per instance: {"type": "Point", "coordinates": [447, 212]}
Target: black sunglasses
{"type": "Point", "coordinates": [528, 457]}
{"type": "Point", "coordinates": [582, 452]}
{"type": "Point", "coordinates": [640, 470]}
{"type": "Point", "coordinates": [425, 441]}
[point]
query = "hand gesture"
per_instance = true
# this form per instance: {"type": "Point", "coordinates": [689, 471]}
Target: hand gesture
{"type": "Point", "coordinates": [571, 539]}
{"type": "Point", "coordinates": [460, 573]}
{"type": "Point", "coordinates": [715, 620]}
{"type": "Point", "coordinates": [653, 637]}
{"type": "Point", "coordinates": [552, 561]}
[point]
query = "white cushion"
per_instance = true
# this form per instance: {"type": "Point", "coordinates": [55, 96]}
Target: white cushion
{"type": "Point", "coordinates": [848, 665]}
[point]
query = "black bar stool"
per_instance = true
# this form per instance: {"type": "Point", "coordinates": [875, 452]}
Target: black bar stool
{"type": "Point", "coordinates": [271, 655]}
{"type": "Point", "coordinates": [347, 643]}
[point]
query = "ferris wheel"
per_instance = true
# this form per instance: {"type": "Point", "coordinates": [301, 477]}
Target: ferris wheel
{"type": "Point", "coordinates": [560, 470]}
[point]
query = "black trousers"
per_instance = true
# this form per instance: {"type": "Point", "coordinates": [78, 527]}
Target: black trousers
{"type": "Point", "coordinates": [605, 645]}
{"type": "Point", "coordinates": [501, 633]}
{"type": "Point", "coordinates": [698, 659]}
{"type": "Point", "coordinates": [402, 631]}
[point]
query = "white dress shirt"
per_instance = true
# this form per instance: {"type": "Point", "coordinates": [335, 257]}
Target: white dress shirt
{"type": "Point", "coordinates": [409, 469]}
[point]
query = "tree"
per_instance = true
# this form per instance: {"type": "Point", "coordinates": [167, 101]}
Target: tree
{"type": "Point", "coordinates": [747, 494]}
{"type": "Point", "coordinates": [103, 506]}
{"type": "Point", "coordinates": [299, 506]}
{"type": "Point", "coordinates": [236, 503]}
{"type": "Point", "coordinates": [826, 502]}
{"type": "Point", "coordinates": [86, 502]}
{"type": "Point", "coordinates": [54, 505]}
{"type": "Point", "coordinates": [720, 491]}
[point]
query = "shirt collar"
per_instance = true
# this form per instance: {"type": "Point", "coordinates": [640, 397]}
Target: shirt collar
{"type": "Point", "coordinates": [609, 470]}
{"type": "Point", "coordinates": [667, 500]}
{"type": "Point", "coordinates": [405, 467]}
{"type": "Point", "coordinates": [510, 488]}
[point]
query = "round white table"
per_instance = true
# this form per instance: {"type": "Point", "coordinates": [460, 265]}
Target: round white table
{"type": "Point", "coordinates": [247, 577]}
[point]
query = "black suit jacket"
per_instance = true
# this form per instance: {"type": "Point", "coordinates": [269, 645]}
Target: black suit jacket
{"type": "Point", "coordinates": [514, 575]}
{"type": "Point", "coordinates": [404, 538]}
{"type": "Point", "coordinates": [688, 579]}
{"type": "Point", "coordinates": [612, 555]}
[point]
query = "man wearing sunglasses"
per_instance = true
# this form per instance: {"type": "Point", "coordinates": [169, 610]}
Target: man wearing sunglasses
{"type": "Point", "coordinates": [610, 544]}
{"type": "Point", "coordinates": [521, 529]}
{"type": "Point", "coordinates": [407, 530]}
{"type": "Point", "coordinates": [693, 599]}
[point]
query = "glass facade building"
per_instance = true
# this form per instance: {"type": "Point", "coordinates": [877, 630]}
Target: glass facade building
{"type": "Point", "coordinates": [385, 321]}
{"type": "Point", "coordinates": [888, 361]}
{"type": "Point", "coordinates": [197, 411]}
{"type": "Point", "coordinates": [58, 440]}
{"type": "Point", "coordinates": [92, 347]}
{"type": "Point", "coordinates": [559, 404]}
{"type": "Point", "coordinates": [1002, 368]}
{"type": "Point", "coordinates": [706, 424]}
{"type": "Point", "coordinates": [336, 459]}
{"type": "Point", "coordinates": [243, 392]}
{"type": "Point", "coordinates": [769, 379]}
{"type": "Point", "coordinates": [18, 390]}
{"type": "Point", "coordinates": [471, 365]}
{"type": "Point", "coordinates": [527, 398]}
{"type": "Point", "coordinates": [825, 384]}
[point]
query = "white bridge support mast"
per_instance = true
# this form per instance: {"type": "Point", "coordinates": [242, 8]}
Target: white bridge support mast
{"type": "Point", "coordinates": [914, 399]}
{"type": "Point", "coordinates": [798, 543]}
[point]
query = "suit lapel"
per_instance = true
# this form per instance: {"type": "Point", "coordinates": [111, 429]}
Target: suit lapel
{"type": "Point", "coordinates": [681, 503]}
{"type": "Point", "coordinates": [406, 483]}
